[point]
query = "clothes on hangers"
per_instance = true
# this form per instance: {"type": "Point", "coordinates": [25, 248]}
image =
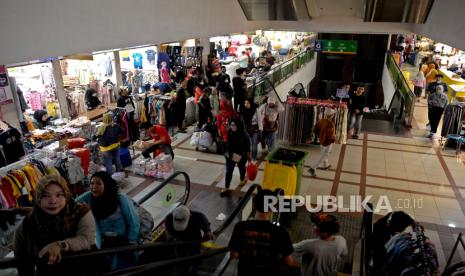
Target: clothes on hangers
{"type": "Point", "coordinates": [453, 119]}
{"type": "Point", "coordinates": [12, 149]}
{"type": "Point", "coordinates": [300, 116]}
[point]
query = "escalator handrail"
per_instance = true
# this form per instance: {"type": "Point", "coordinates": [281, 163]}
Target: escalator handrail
{"type": "Point", "coordinates": [148, 267]}
{"type": "Point", "coordinates": [166, 182]}
{"type": "Point", "coordinates": [244, 200]}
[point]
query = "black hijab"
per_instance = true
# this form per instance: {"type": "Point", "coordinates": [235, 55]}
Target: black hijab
{"type": "Point", "coordinates": [247, 113]}
{"type": "Point", "coordinates": [107, 203]}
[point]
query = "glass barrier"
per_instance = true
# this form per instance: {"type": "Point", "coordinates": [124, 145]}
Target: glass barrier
{"type": "Point", "coordinates": [402, 85]}
{"type": "Point", "coordinates": [278, 74]}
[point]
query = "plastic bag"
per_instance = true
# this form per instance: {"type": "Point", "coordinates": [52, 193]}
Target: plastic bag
{"type": "Point", "coordinates": [195, 139]}
{"type": "Point", "coordinates": [205, 139]}
{"type": "Point", "coordinates": [252, 171]}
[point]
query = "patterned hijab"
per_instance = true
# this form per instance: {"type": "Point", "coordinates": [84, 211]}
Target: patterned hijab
{"type": "Point", "coordinates": [45, 228]}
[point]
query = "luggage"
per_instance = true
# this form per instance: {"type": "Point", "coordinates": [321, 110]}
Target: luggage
{"type": "Point", "coordinates": [84, 155]}
{"type": "Point", "coordinates": [277, 175]}
{"type": "Point", "coordinates": [76, 143]}
{"type": "Point", "coordinates": [125, 157]}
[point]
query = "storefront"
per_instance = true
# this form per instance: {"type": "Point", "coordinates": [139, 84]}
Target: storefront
{"type": "Point", "coordinates": [89, 82]}
{"type": "Point", "coordinates": [36, 88]}
{"type": "Point", "coordinates": [230, 50]}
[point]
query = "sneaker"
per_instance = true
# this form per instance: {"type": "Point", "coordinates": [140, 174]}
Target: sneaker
{"type": "Point", "coordinates": [427, 124]}
{"type": "Point", "coordinates": [355, 136]}
{"type": "Point", "coordinates": [325, 168]}
{"type": "Point", "coordinates": [243, 182]}
{"type": "Point", "coordinates": [431, 135]}
{"type": "Point", "coordinates": [224, 191]}
{"type": "Point", "coordinates": [311, 171]}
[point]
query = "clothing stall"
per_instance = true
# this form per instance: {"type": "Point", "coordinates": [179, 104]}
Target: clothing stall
{"type": "Point", "coordinates": [454, 115]}
{"type": "Point", "coordinates": [301, 115]}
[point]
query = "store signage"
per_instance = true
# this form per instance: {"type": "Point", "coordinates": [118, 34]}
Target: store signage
{"type": "Point", "coordinates": [48, 59]}
{"type": "Point", "coordinates": [336, 46]}
{"type": "Point", "coordinates": [6, 96]}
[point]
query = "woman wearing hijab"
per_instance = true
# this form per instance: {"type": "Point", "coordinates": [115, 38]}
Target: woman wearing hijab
{"type": "Point", "coordinates": [268, 121]}
{"type": "Point", "coordinates": [237, 153]}
{"type": "Point", "coordinates": [205, 108]}
{"type": "Point", "coordinates": [117, 220]}
{"type": "Point", "coordinates": [109, 134]}
{"type": "Point", "coordinates": [56, 224]}
{"type": "Point", "coordinates": [41, 119]}
{"type": "Point", "coordinates": [249, 117]}
{"type": "Point", "coordinates": [419, 84]}
{"type": "Point", "coordinates": [92, 100]}
{"type": "Point", "coordinates": [437, 102]}
{"type": "Point", "coordinates": [430, 75]}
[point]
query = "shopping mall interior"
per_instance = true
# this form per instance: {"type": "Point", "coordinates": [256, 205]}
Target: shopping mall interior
{"type": "Point", "coordinates": [330, 104]}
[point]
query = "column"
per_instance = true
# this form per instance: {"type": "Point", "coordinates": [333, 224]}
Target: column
{"type": "Point", "coordinates": [205, 43]}
{"type": "Point", "coordinates": [119, 78]}
{"type": "Point", "coordinates": [60, 89]}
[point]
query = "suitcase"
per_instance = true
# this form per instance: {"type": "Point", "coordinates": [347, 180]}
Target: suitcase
{"type": "Point", "coordinates": [125, 157]}
{"type": "Point", "coordinates": [84, 155]}
{"type": "Point", "coordinates": [76, 143]}
{"type": "Point", "coordinates": [277, 175]}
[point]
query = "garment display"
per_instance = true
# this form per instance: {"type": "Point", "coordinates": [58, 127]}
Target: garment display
{"type": "Point", "coordinates": [150, 56]}
{"type": "Point", "coordinates": [411, 254]}
{"type": "Point", "coordinates": [35, 100]}
{"type": "Point", "coordinates": [137, 60]}
{"type": "Point", "coordinates": [18, 184]}
{"type": "Point", "coordinates": [11, 146]}
{"type": "Point", "coordinates": [454, 115]}
{"type": "Point", "coordinates": [300, 117]}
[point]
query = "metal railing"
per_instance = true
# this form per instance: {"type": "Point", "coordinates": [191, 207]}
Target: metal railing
{"type": "Point", "coordinates": [278, 74]}
{"type": "Point", "coordinates": [403, 86]}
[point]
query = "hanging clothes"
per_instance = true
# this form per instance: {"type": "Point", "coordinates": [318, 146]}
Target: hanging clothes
{"type": "Point", "coordinates": [453, 119]}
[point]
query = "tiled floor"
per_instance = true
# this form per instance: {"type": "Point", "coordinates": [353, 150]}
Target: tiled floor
{"type": "Point", "coordinates": [415, 174]}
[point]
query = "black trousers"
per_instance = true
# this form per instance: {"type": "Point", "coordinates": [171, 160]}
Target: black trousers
{"type": "Point", "coordinates": [164, 147]}
{"type": "Point", "coordinates": [435, 114]}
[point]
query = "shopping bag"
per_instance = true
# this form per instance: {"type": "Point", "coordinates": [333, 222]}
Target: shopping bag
{"type": "Point", "coordinates": [252, 171]}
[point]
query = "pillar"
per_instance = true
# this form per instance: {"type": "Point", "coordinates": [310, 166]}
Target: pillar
{"type": "Point", "coordinates": [205, 43]}
{"type": "Point", "coordinates": [119, 78]}
{"type": "Point", "coordinates": [60, 89]}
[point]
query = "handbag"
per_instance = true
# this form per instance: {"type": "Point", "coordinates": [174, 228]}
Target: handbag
{"type": "Point", "coordinates": [252, 171]}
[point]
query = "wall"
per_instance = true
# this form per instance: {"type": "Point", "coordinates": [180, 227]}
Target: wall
{"type": "Point", "coordinates": [35, 29]}
{"type": "Point", "coordinates": [304, 75]}
{"type": "Point", "coordinates": [445, 23]}
{"type": "Point", "coordinates": [388, 87]}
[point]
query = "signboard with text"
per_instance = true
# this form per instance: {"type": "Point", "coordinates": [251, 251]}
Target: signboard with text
{"type": "Point", "coordinates": [6, 96]}
{"type": "Point", "coordinates": [336, 46]}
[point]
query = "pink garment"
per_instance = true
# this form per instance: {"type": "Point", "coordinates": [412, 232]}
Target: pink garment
{"type": "Point", "coordinates": [105, 96]}
{"type": "Point", "coordinates": [35, 100]}
{"type": "Point", "coordinates": [419, 83]}
{"type": "Point", "coordinates": [164, 75]}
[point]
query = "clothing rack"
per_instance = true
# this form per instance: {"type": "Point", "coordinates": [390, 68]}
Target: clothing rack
{"type": "Point", "coordinates": [36, 155]}
{"type": "Point", "coordinates": [453, 119]}
{"type": "Point", "coordinates": [454, 250]}
{"type": "Point", "coordinates": [300, 116]}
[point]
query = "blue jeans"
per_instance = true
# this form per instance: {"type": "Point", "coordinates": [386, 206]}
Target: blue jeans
{"type": "Point", "coordinates": [254, 141]}
{"type": "Point", "coordinates": [270, 139]}
{"type": "Point", "coordinates": [110, 157]}
{"type": "Point", "coordinates": [230, 169]}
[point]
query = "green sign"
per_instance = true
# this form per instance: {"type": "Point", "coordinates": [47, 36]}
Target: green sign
{"type": "Point", "coordinates": [336, 46]}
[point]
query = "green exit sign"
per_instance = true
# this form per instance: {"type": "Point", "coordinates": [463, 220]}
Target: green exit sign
{"type": "Point", "coordinates": [336, 46]}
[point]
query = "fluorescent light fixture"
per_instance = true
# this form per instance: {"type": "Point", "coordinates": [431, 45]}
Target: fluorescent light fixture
{"type": "Point", "coordinates": [451, 225]}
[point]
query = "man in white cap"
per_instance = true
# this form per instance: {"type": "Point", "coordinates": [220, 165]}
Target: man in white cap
{"type": "Point", "coordinates": [186, 225]}
{"type": "Point", "coordinates": [325, 130]}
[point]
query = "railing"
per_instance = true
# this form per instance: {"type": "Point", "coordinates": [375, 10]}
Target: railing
{"type": "Point", "coordinates": [278, 74]}
{"type": "Point", "coordinates": [366, 235]}
{"type": "Point", "coordinates": [402, 85]}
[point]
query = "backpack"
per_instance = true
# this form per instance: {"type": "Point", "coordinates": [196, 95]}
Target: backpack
{"type": "Point", "coordinates": [146, 222]}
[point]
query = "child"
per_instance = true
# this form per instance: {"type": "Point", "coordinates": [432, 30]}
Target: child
{"type": "Point", "coordinates": [320, 256]}
{"type": "Point", "coordinates": [325, 130]}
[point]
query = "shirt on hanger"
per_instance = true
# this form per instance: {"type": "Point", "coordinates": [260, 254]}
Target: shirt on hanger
{"type": "Point", "coordinates": [137, 60]}
{"type": "Point", "coordinates": [125, 55]}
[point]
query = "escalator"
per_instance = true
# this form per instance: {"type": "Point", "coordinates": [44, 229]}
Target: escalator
{"type": "Point", "coordinates": [160, 201]}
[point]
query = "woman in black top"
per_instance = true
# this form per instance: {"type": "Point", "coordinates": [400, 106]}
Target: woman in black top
{"type": "Point", "coordinates": [358, 104]}
{"type": "Point", "coordinates": [205, 108]}
{"type": "Point", "coordinates": [92, 101]}
{"type": "Point", "coordinates": [248, 113]}
{"type": "Point", "coordinates": [238, 152]}
{"type": "Point", "coordinates": [181, 106]}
